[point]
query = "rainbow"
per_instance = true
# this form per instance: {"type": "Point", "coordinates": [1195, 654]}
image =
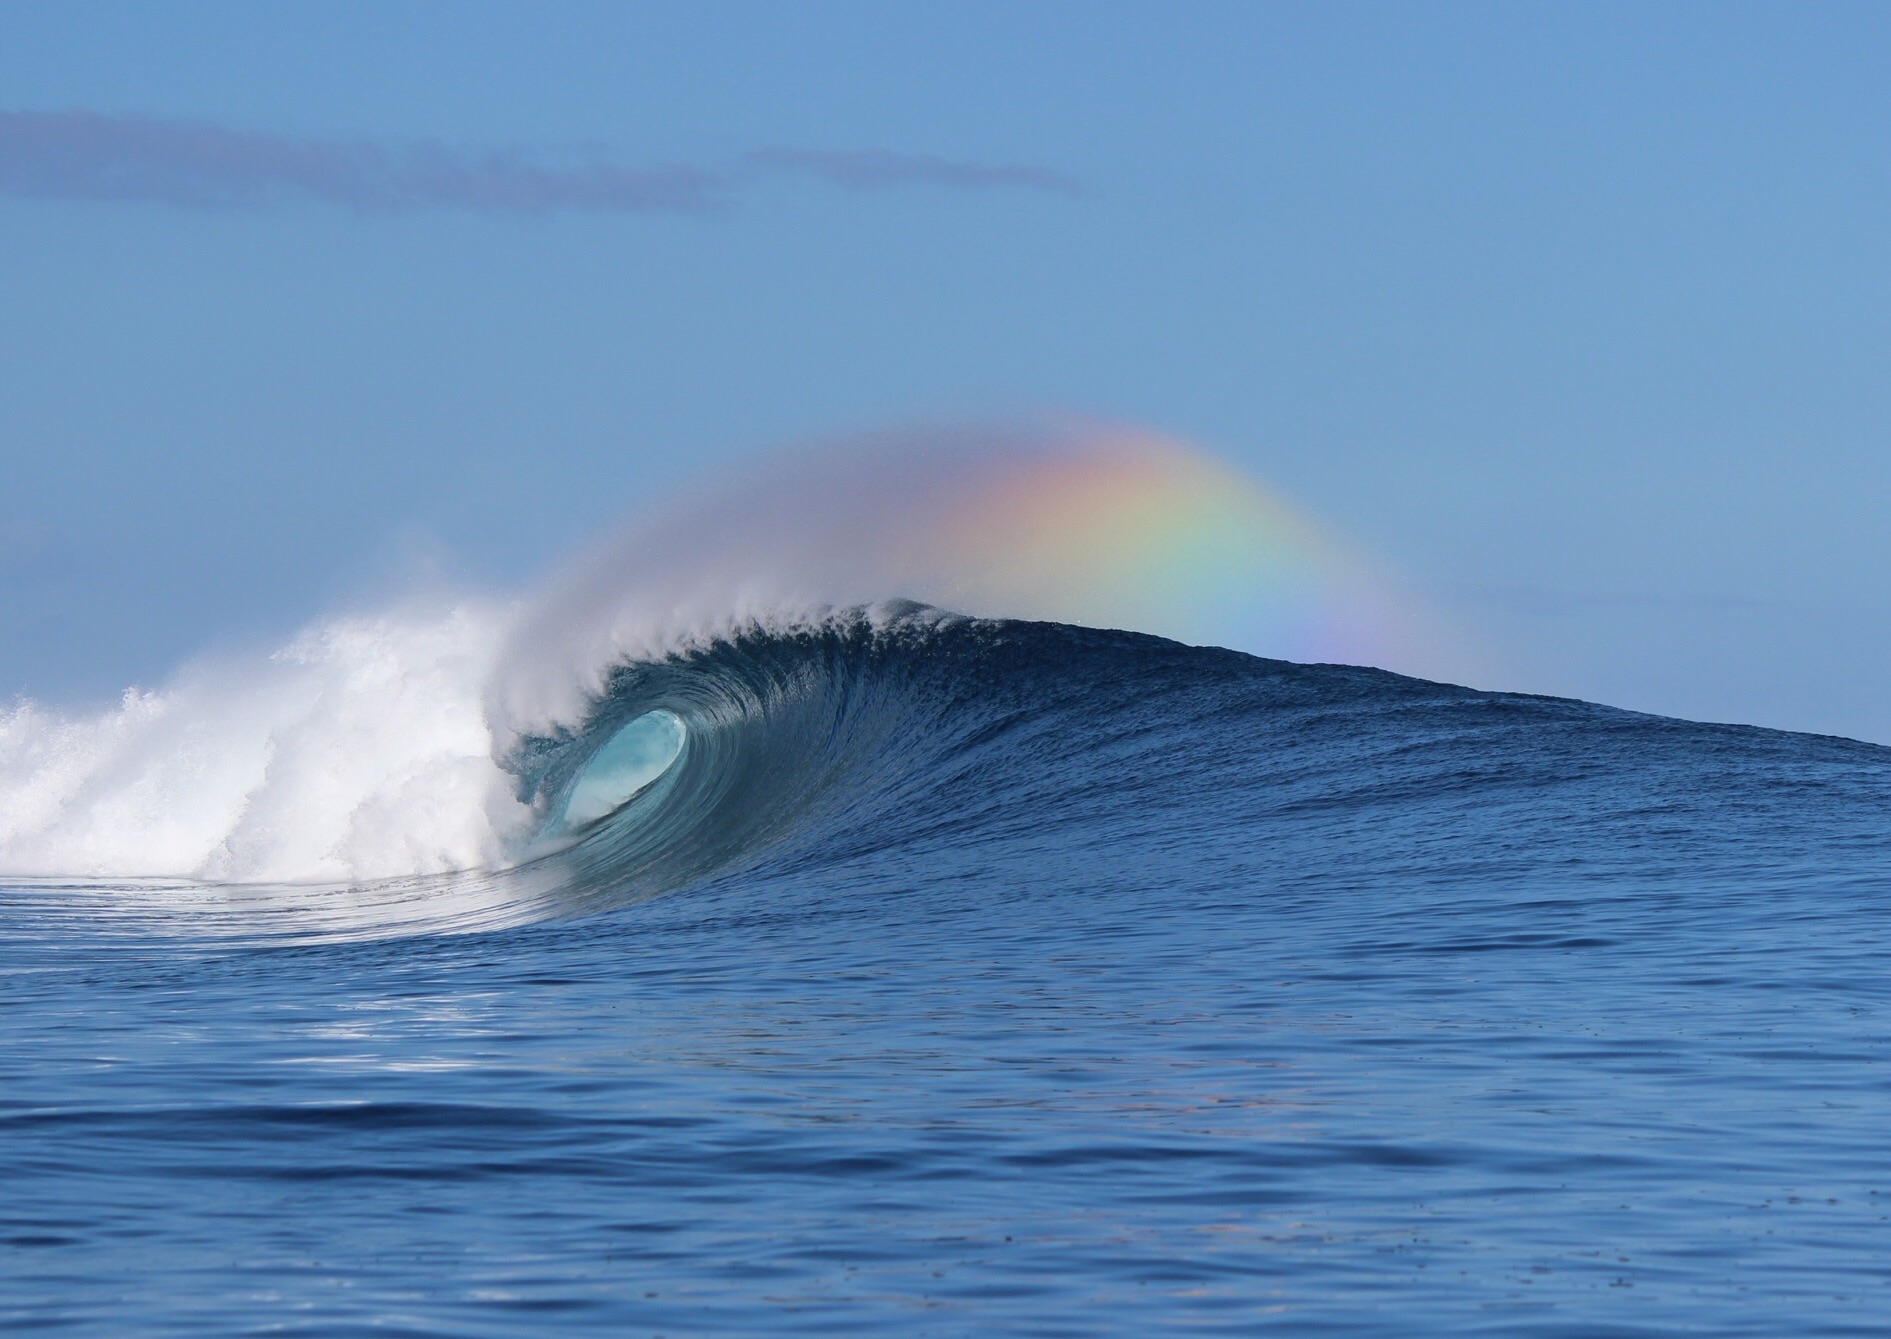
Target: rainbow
{"type": "Point", "coordinates": [1125, 529]}
{"type": "Point", "coordinates": [1106, 527]}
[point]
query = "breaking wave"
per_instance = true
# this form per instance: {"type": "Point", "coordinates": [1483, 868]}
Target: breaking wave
{"type": "Point", "coordinates": [728, 691]}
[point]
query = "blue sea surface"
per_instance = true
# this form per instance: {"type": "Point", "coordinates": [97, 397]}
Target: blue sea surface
{"type": "Point", "coordinates": [1001, 978]}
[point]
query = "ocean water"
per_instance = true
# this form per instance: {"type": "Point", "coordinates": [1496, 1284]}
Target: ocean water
{"type": "Point", "coordinates": [923, 975]}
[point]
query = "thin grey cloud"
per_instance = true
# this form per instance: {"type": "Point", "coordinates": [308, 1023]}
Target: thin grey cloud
{"type": "Point", "coordinates": [84, 155]}
{"type": "Point", "coordinates": [89, 156]}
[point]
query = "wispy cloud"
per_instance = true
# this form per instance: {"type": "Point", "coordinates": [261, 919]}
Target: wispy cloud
{"type": "Point", "coordinates": [83, 155]}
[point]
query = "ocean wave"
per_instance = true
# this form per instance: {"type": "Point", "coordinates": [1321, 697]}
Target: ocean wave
{"type": "Point", "coordinates": [770, 676]}
{"type": "Point", "coordinates": [897, 737]}
{"type": "Point", "coordinates": [384, 745]}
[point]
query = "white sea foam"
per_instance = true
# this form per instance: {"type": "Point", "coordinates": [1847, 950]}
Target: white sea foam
{"type": "Point", "coordinates": [370, 746]}
{"type": "Point", "coordinates": [359, 750]}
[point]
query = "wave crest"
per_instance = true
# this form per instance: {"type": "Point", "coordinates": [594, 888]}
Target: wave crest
{"type": "Point", "coordinates": [392, 745]}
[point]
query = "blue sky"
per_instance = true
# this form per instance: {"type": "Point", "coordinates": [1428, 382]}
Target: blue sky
{"type": "Point", "coordinates": [1576, 314]}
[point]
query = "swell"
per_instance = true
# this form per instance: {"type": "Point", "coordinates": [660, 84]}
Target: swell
{"type": "Point", "coordinates": [913, 752]}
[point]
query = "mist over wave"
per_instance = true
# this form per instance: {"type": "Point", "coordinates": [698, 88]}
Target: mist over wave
{"type": "Point", "coordinates": [388, 743]}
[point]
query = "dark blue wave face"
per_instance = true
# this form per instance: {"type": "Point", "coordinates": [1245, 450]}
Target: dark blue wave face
{"type": "Point", "coordinates": [961, 977]}
{"type": "Point", "coordinates": [939, 736]}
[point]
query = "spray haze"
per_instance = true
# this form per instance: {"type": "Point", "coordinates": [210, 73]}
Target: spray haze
{"type": "Point", "coordinates": [377, 745]}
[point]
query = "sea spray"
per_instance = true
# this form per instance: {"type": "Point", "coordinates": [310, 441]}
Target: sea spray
{"type": "Point", "coordinates": [386, 743]}
{"type": "Point", "coordinates": [359, 750]}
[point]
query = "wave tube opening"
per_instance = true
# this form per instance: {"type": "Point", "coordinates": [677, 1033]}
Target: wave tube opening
{"type": "Point", "coordinates": [622, 769]}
